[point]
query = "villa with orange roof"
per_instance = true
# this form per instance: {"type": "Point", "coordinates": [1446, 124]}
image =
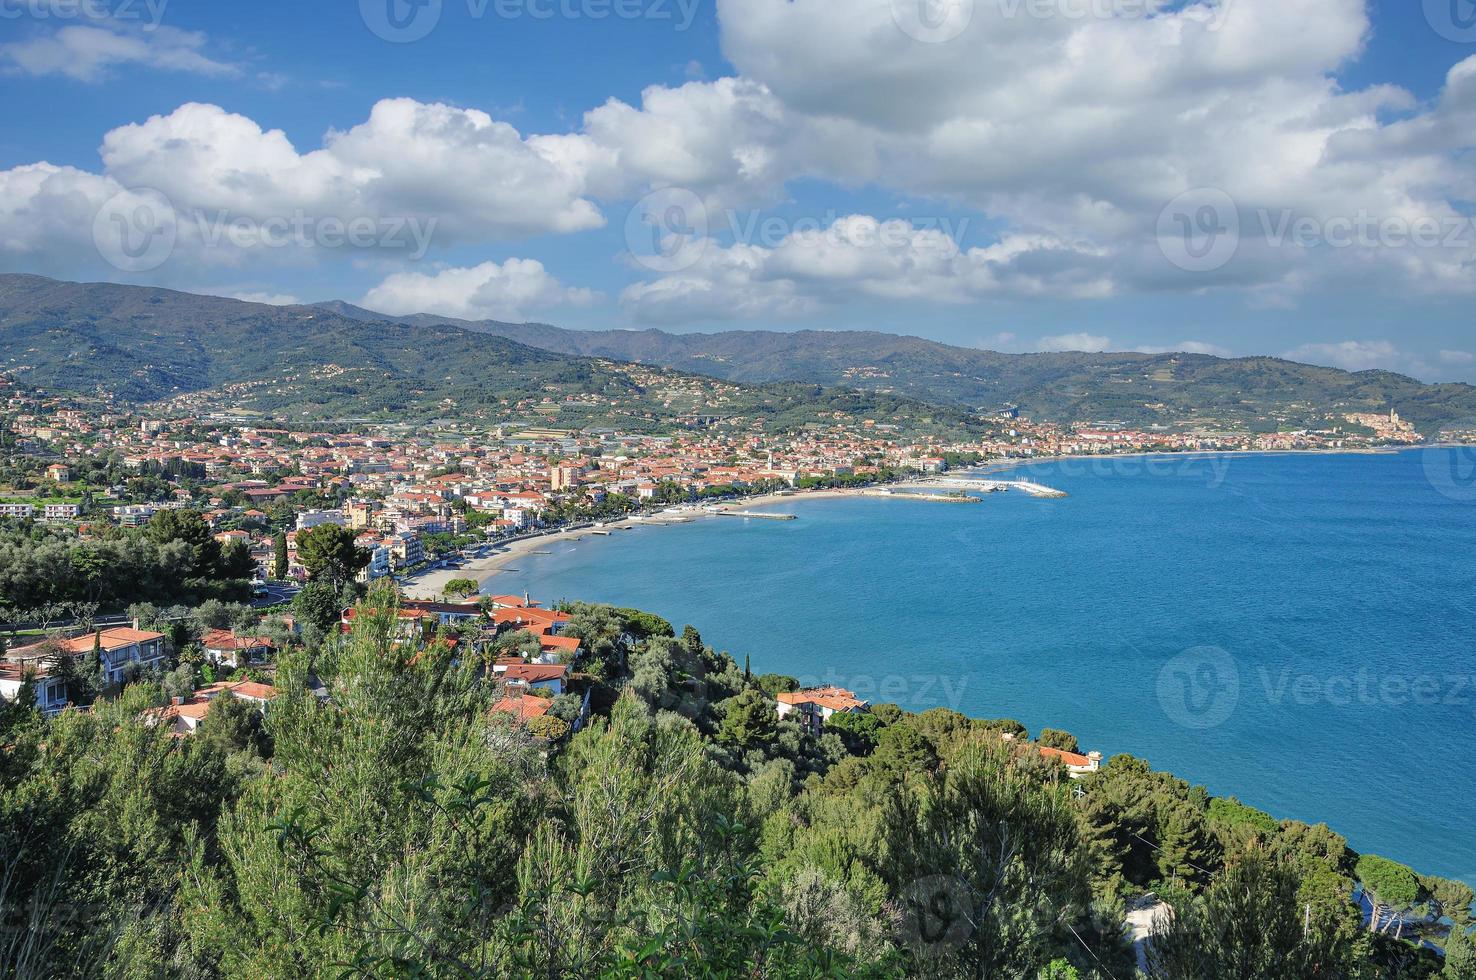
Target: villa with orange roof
{"type": "Point", "coordinates": [184, 715]}
{"type": "Point", "coordinates": [813, 708]}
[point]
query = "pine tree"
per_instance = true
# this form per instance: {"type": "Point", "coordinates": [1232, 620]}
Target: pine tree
{"type": "Point", "coordinates": [1183, 847]}
{"type": "Point", "coordinates": [1104, 836]}
{"type": "Point", "coordinates": [1460, 956]}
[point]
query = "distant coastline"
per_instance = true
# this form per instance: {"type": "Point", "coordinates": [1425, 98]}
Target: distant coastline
{"type": "Point", "coordinates": [431, 584]}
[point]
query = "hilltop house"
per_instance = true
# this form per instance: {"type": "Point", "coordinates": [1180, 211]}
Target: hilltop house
{"type": "Point", "coordinates": [812, 708]}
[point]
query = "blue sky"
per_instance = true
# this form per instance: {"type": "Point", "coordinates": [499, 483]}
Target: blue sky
{"type": "Point", "coordinates": [1018, 174]}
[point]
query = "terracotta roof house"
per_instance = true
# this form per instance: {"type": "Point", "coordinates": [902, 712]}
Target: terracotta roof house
{"type": "Point", "coordinates": [184, 715]}
{"type": "Point", "coordinates": [814, 707]}
{"type": "Point", "coordinates": [120, 647]}
{"type": "Point", "coordinates": [225, 647]}
{"type": "Point", "coordinates": [551, 677]}
{"type": "Point", "coordinates": [523, 707]}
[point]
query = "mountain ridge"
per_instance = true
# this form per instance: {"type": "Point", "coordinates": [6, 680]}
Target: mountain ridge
{"type": "Point", "coordinates": [1061, 386]}
{"type": "Point", "coordinates": [145, 344]}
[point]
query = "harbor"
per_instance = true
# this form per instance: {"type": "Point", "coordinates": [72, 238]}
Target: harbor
{"type": "Point", "coordinates": [996, 486]}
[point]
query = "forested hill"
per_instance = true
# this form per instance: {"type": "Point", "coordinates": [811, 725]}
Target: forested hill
{"type": "Point", "coordinates": [1135, 388]}
{"type": "Point", "coordinates": [144, 345]}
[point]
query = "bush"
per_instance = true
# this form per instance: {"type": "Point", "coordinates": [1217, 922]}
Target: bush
{"type": "Point", "coordinates": [549, 727]}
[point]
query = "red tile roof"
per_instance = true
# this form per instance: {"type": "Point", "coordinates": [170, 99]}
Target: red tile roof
{"type": "Point", "coordinates": [535, 673]}
{"type": "Point", "coordinates": [524, 708]}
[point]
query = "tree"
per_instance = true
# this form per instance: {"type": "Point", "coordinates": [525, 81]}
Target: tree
{"type": "Point", "coordinates": [279, 556]}
{"type": "Point", "coordinates": [236, 561]}
{"type": "Point", "coordinates": [461, 588]}
{"type": "Point", "coordinates": [1251, 925]}
{"type": "Point", "coordinates": [749, 720]}
{"type": "Point", "coordinates": [1053, 738]}
{"type": "Point", "coordinates": [317, 606]}
{"type": "Point", "coordinates": [548, 727]}
{"type": "Point", "coordinates": [329, 554]}
{"type": "Point", "coordinates": [189, 527]}
{"type": "Point", "coordinates": [859, 730]}
{"type": "Point", "coordinates": [1392, 888]}
{"type": "Point", "coordinates": [236, 725]}
{"type": "Point", "coordinates": [1184, 850]}
{"type": "Point", "coordinates": [1460, 955]}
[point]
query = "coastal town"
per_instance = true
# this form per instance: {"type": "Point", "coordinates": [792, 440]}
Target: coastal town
{"type": "Point", "coordinates": [420, 495]}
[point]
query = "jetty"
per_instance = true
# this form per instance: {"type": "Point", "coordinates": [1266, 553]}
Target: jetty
{"type": "Point", "coordinates": [937, 498]}
{"type": "Point", "coordinates": [761, 515]}
{"type": "Point", "coordinates": [997, 486]}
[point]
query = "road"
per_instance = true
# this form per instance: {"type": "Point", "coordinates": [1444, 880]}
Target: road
{"type": "Point", "coordinates": [277, 594]}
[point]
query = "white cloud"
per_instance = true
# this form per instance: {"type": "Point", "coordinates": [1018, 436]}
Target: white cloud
{"type": "Point", "coordinates": [1188, 347]}
{"type": "Point", "coordinates": [1089, 343]}
{"type": "Point", "coordinates": [1080, 129]}
{"type": "Point", "coordinates": [1457, 357]}
{"type": "Point", "coordinates": [270, 299]}
{"type": "Point", "coordinates": [86, 53]}
{"type": "Point", "coordinates": [485, 292]}
{"type": "Point", "coordinates": [477, 177]}
{"type": "Point", "coordinates": [413, 174]}
{"type": "Point", "coordinates": [1355, 355]}
{"type": "Point", "coordinates": [857, 256]}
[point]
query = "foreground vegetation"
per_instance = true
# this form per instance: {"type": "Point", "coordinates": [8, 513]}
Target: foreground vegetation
{"type": "Point", "coordinates": [400, 828]}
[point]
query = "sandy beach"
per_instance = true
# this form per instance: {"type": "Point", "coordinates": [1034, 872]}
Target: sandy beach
{"type": "Point", "coordinates": [429, 585]}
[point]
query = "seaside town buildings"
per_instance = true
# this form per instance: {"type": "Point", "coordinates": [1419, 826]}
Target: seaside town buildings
{"type": "Point", "coordinates": [418, 492]}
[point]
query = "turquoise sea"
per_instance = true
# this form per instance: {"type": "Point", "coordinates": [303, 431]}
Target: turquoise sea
{"type": "Point", "coordinates": [1295, 630]}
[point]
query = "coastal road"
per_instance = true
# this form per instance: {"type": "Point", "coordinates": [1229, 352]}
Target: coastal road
{"type": "Point", "coordinates": [277, 594]}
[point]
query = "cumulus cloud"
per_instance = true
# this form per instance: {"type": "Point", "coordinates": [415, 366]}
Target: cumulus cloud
{"type": "Point", "coordinates": [87, 52]}
{"type": "Point", "coordinates": [1086, 342]}
{"type": "Point", "coordinates": [1356, 355]}
{"type": "Point", "coordinates": [854, 256]}
{"type": "Point", "coordinates": [412, 176]}
{"type": "Point", "coordinates": [485, 292]}
{"type": "Point", "coordinates": [1082, 129]}
{"type": "Point", "coordinates": [479, 178]}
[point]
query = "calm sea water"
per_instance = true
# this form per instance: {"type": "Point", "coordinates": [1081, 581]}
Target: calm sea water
{"type": "Point", "coordinates": [1297, 631]}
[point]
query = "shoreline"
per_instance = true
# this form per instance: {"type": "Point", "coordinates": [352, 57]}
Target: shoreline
{"type": "Point", "coordinates": [429, 585]}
